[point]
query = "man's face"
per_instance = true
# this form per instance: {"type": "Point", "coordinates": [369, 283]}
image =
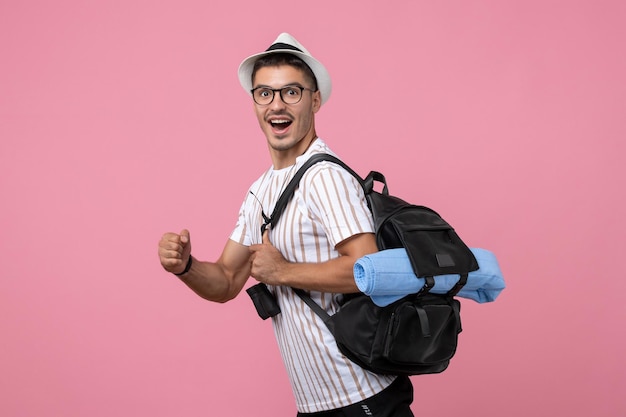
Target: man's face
{"type": "Point", "coordinates": [286, 125]}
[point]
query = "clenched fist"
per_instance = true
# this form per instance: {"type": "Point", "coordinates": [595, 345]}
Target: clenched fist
{"type": "Point", "coordinates": [174, 251]}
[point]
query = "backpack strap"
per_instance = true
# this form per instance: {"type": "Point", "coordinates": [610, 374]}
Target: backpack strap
{"type": "Point", "coordinates": [312, 304]}
{"type": "Point", "coordinates": [457, 287]}
{"type": "Point", "coordinates": [284, 199]}
{"type": "Point", "coordinates": [295, 181]}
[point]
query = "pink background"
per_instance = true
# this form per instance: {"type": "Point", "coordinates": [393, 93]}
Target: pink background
{"type": "Point", "coordinates": [121, 120]}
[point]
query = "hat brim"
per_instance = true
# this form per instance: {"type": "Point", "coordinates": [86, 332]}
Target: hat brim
{"type": "Point", "coordinates": [321, 74]}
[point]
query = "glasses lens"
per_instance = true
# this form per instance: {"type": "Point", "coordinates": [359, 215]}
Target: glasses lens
{"type": "Point", "coordinates": [263, 95]}
{"type": "Point", "coordinates": [291, 95]}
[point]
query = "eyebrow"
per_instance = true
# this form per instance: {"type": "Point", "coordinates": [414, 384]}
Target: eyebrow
{"type": "Point", "coordinates": [294, 84]}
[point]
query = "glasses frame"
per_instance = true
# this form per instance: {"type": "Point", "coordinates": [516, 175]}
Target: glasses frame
{"type": "Point", "coordinates": [280, 93]}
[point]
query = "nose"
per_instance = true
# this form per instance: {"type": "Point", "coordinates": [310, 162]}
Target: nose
{"type": "Point", "coordinates": [277, 102]}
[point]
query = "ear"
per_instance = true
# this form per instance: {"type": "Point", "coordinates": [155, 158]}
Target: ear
{"type": "Point", "coordinates": [317, 101]}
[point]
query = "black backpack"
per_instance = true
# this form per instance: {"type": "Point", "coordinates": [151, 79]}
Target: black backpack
{"type": "Point", "coordinates": [417, 334]}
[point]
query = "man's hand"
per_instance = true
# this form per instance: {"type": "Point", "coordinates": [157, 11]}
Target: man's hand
{"type": "Point", "coordinates": [174, 251]}
{"type": "Point", "coordinates": [267, 262]}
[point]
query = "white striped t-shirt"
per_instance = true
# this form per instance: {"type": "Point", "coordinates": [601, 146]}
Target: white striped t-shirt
{"type": "Point", "coordinates": [327, 208]}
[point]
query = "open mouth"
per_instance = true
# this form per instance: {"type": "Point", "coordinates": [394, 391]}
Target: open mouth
{"type": "Point", "coordinates": [280, 124]}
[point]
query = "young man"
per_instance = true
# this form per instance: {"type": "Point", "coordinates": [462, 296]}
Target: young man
{"type": "Point", "coordinates": [324, 229]}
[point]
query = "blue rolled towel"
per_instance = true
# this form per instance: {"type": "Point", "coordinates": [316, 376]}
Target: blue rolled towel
{"type": "Point", "coordinates": [387, 276]}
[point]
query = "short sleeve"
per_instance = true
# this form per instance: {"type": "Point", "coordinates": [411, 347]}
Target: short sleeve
{"type": "Point", "coordinates": [337, 201]}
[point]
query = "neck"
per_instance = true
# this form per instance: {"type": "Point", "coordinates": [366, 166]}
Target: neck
{"type": "Point", "coordinates": [287, 157]}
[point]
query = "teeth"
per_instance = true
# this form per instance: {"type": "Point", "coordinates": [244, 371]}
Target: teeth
{"type": "Point", "coordinates": [279, 121]}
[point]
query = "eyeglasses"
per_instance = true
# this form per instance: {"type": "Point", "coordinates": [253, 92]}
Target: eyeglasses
{"type": "Point", "coordinates": [291, 94]}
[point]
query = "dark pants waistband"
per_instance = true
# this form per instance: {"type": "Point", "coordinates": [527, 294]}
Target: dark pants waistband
{"type": "Point", "coordinates": [393, 401]}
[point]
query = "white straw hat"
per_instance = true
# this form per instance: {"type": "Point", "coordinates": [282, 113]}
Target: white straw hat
{"type": "Point", "coordinates": [285, 43]}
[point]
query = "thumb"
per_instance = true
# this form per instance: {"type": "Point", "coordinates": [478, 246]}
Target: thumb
{"type": "Point", "coordinates": [184, 236]}
{"type": "Point", "coordinates": [266, 237]}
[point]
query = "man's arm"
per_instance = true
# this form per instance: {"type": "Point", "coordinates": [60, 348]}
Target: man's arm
{"type": "Point", "coordinates": [335, 275]}
{"type": "Point", "coordinates": [218, 281]}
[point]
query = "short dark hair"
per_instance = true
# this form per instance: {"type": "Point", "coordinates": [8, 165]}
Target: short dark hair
{"type": "Point", "coordinates": [274, 60]}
